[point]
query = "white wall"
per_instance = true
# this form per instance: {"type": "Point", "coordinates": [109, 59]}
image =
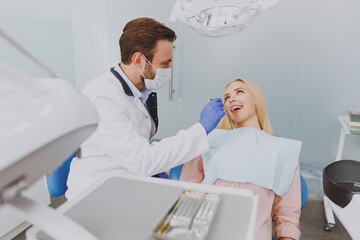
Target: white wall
{"type": "Point", "coordinates": [90, 27]}
{"type": "Point", "coordinates": [44, 29]}
{"type": "Point", "coordinates": [330, 80]}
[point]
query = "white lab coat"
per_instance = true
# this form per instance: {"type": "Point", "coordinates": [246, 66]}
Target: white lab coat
{"type": "Point", "coordinates": [121, 142]}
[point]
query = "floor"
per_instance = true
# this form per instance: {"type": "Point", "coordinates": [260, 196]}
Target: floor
{"type": "Point", "coordinates": [312, 222]}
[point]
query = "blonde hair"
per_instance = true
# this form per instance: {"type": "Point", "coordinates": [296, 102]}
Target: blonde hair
{"type": "Point", "coordinates": [227, 123]}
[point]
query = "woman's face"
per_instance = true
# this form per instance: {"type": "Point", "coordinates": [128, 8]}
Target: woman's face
{"type": "Point", "coordinates": [240, 105]}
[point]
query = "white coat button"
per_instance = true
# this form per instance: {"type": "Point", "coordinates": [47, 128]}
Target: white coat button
{"type": "Point", "coordinates": [147, 116]}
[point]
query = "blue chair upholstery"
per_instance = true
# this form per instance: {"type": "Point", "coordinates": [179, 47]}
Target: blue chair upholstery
{"type": "Point", "coordinates": [176, 171]}
{"type": "Point", "coordinates": [56, 182]}
{"type": "Point", "coordinates": [304, 191]}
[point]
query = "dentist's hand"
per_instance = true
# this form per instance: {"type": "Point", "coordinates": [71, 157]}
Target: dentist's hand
{"type": "Point", "coordinates": [211, 114]}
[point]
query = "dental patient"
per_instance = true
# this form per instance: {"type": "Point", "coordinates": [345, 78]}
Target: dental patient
{"type": "Point", "coordinates": [245, 154]}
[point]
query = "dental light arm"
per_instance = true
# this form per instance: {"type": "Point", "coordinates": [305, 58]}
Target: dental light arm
{"type": "Point", "coordinates": [218, 18]}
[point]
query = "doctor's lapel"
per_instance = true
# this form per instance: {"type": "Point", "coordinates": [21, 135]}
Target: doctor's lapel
{"type": "Point", "coordinates": [150, 107]}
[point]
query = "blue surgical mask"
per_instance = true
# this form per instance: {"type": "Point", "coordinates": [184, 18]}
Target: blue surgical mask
{"type": "Point", "coordinates": [162, 76]}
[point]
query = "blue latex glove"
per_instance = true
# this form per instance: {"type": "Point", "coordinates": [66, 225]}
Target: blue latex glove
{"type": "Point", "coordinates": [211, 114]}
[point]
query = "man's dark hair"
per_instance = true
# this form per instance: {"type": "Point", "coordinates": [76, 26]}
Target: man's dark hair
{"type": "Point", "coordinates": [141, 35]}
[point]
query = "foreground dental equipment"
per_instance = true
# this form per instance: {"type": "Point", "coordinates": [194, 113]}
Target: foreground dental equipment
{"type": "Point", "coordinates": [251, 155]}
{"type": "Point", "coordinates": [36, 136]}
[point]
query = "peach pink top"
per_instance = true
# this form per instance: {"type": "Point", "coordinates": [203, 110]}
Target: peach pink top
{"type": "Point", "coordinates": [284, 211]}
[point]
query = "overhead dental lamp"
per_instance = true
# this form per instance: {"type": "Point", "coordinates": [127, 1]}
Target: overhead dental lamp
{"type": "Point", "coordinates": [219, 18]}
{"type": "Point", "coordinates": [43, 121]}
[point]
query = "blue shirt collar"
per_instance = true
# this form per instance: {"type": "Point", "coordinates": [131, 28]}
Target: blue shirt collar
{"type": "Point", "coordinates": [142, 95]}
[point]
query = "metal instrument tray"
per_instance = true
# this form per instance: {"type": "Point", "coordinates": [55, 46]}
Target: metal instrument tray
{"type": "Point", "coordinates": [189, 218]}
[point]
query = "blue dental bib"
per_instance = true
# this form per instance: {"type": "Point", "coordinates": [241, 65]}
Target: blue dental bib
{"type": "Point", "coordinates": [251, 155]}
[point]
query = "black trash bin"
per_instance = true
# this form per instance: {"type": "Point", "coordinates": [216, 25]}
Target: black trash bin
{"type": "Point", "coordinates": [341, 180]}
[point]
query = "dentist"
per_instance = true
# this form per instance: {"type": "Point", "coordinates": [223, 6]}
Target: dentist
{"type": "Point", "coordinates": [127, 108]}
